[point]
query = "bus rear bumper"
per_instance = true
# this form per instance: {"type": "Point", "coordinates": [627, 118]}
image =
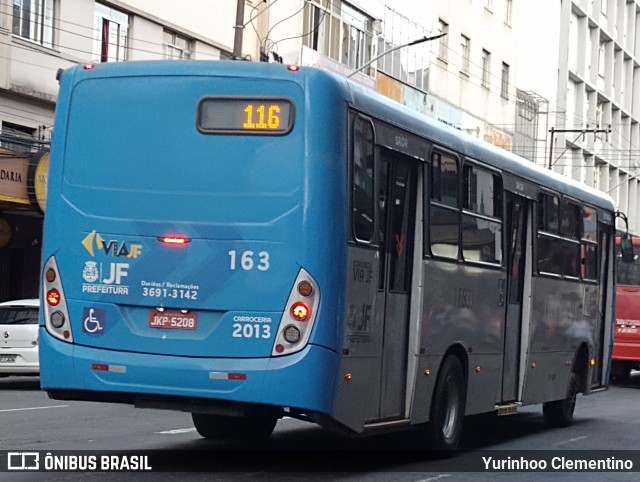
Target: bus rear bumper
{"type": "Point", "coordinates": [304, 381]}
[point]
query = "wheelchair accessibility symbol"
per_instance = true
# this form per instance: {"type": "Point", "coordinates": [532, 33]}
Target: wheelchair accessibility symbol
{"type": "Point", "coordinates": [93, 321]}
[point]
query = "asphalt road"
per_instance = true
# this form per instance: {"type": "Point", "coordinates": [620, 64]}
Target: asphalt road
{"type": "Point", "coordinates": [30, 421]}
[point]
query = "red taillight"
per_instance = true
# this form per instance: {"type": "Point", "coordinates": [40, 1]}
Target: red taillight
{"type": "Point", "coordinates": [300, 311]}
{"type": "Point", "coordinates": [174, 240]}
{"type": "Point", "coordinates": [53, 297]}
{"type": "Point", "coordinates": [299, 316]}
{"type": "Point", "coordinates": [88, 66]}
{"type": "Point", "coordinates": [293, 68]}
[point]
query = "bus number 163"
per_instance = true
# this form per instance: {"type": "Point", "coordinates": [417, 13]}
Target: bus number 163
{"type": "Point", "coordinates": [248, 260]}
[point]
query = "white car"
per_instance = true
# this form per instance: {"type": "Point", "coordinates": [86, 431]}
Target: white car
{"type": "Point", "coordinates": [19, 337]}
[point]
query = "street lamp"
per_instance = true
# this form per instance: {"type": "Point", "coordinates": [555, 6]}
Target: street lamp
{"type": "Point", "coordinates": [409, 44]}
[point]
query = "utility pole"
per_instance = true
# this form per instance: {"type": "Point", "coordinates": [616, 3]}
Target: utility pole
{"type": "Point", "coordinates": [239, 26]}
{"type": "Point", "coordinates": [581, 131]}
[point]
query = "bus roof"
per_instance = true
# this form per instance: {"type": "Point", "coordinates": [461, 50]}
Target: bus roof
{"type": "Point", "coordinates": [449, 137]}
{"type": "Point", "coordinates": [367, 101]}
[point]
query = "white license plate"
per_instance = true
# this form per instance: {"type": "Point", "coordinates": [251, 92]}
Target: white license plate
{"type": "Point", "coordinates": [7, 358]}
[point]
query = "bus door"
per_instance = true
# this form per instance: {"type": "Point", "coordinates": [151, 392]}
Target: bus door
{"type": "Point", "coordinates": [517, 222]}
{"type": "Point", "coordinates": [601, 336]}
{"type": "Point", "coordinates": [397, 198]}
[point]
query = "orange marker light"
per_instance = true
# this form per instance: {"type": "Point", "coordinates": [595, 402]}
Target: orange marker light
{"type": "Point", "coordinates": [305, 289]}
{"type": "Point", "coordinates": [50, 275]}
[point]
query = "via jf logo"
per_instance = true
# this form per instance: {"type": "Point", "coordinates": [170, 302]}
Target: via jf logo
{"type": "Point", "coordinates": [113, 247]}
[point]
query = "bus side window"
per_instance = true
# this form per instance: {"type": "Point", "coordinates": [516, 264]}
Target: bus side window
{"type": "Point", "coordinates": [570, 230]}
{"type": "Point", "coordinates": [549, 245]}
{"type": "Point", "coordinates": [362, 181]}
{"type": "Point", "coordinates": [589, 244]}
{"type": "Point", "coordinates": [481, 219]}
{"type": "Point", "coordinates": [444, 224]}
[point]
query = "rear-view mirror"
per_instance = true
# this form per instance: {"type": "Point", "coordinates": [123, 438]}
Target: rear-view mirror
{"type": "Point", "coordinates": [626, 248]}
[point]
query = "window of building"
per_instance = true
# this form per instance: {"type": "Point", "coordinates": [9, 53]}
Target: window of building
{"type": "Point", "coordinates": [33, 20]}
{"type": "Point", "coordinates": [339, 31]}
{"type": "Point", "coordinates": [409, 64]}
{"type": "Point", "coordinates": [111, 34]}
{"type": "Point", "coordinates": [443, 47]}
{"type": "Point", "coordinates": [526, 108]}
{"type": "Point", "coordinates": [175, 46]}
{"type": "Point", "coordinates": [602, 49]}
{"type": "Point", "coordinates": [508, 11]}
{"type": "Point", "coordinates": [465, 48]}
{"type": "Point", "coordinates": [599, 118]}
{"type": "Point", "coordinates": [486, 68]}
{"type": "Point", "coordinates": [16, 137]}
{"type": "Point", "coordinates": [504, 84]}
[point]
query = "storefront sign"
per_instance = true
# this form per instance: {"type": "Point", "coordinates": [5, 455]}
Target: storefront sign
{"type": "Point", "coordinates": [13, 180]}
{"type": "Point", "coordinates": [37, 180]}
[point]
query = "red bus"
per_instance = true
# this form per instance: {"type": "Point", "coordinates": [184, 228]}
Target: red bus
{"type": "Point", "coordinates": [626, 338]}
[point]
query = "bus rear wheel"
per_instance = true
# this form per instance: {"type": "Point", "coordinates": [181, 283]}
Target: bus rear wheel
{"type": "Point", "coordinates": [447, 410]}
{"type": "Point", "coordinates": [560, 412]}
{"type": "Point", "coordinates": [221, 427]}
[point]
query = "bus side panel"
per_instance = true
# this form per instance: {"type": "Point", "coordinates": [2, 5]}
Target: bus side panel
{"type": "Point", "coordinates": [564, 316]}
{"type": "Point", "coordinates": [462, 308]}
{"type": "Point", "coordinates": [322, 242]}
{"type": "Point", "coordinates": [360, 374]}
{"type": "Point", "coordinates": [428, 366]}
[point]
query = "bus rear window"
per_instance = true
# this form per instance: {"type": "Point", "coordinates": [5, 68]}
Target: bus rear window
{"type": "Point", "coordinates": [245, 115]}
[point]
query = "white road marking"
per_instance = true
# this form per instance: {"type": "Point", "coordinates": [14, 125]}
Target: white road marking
{"type": "Point", "coordinates": [433, 479]}
{"type": "Point", "coordinates": [177, 431]}
{"type": "Point", "coordinates": [32, 408]}
{"type": "Point", "coordinates": [571, 440]}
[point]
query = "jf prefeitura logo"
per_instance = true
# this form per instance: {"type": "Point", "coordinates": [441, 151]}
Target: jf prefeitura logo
{"type": "Point", "coordinates": [107, 270]}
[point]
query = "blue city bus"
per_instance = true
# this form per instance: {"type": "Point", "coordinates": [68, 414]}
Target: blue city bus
{"type": "Point", "coordinates": [247, 241]}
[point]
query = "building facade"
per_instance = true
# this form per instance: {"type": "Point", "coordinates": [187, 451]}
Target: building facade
{"type": "Point", "coordinates": [599, 99]}
{"type": "Point", "coordinates": [554, 81]}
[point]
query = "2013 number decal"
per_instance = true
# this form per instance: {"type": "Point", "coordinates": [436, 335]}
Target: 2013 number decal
{"type": "Point", "coordinates": [251, 330]}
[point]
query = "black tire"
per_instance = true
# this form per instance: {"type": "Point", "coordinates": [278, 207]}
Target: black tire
{"type": "Point", "coordinates": [560, 412]}
{"type": "Point", "coordinates": [220, 427]}
{"type": "Point", "coordinates": [447, 409]}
